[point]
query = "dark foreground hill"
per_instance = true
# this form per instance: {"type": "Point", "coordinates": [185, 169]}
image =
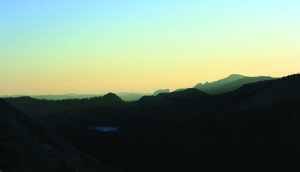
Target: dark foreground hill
{"type": "Point", "coordinates": [54, 114]}
{"type": "Point", "coordinates": [254, 128]}
{"type": "Point", "coordinates": [24, 144]}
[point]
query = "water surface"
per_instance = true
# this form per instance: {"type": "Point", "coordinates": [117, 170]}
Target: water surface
{"type": "Point", "coordinates": [105, 128]}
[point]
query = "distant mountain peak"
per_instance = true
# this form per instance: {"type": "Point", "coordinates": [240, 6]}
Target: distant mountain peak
{"type": "Point", "coordinates": [236, 75]}
{"type": "Point", "coordinates": [218, 83]}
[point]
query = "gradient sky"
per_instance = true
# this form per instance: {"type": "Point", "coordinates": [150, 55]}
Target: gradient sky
{"type": "Point", "coordinates": [92, 46]}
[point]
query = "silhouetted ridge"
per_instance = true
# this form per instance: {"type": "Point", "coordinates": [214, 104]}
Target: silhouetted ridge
{"type": "Point", "coordinates": [237, 84]}
{"type": "Point", "coordinates": [219, 83]}
{"type": "Point", "coordinates": [24, 99]}
{"type": "Point", "coordinates": [236, 76]}
{"type": "Point", "coordinates": [112, 99]}
{"type": "Point", "coordinates": [111, 96]}
{"type": "Point", "coordinates": [180, 89]}
{"type": "Point", "coordinates": [107, 100]}
{"type": "Point", "coordinates": [230, 83]}
{"type": "Point", "coordinates": [161, 91]}
{"type": "Point", "coordinates": [181, 94]}
{"type": "Point", "coordinates": [131, 96]}
{"type": "Point", "coordinates": [276, 92]}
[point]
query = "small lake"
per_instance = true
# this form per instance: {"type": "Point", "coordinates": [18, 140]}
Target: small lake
{"type": "Point", "coordinates": [106, 129]}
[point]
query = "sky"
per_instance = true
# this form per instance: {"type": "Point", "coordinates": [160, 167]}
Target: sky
{"type": "Point", "coordinates": [92, 46]}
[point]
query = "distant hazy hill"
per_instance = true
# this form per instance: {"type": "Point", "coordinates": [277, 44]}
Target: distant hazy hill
{"type": "Point", "coordinates": [220, 82]}
{"type": "Point", "coordinates": [65, 96]}
{"type": "Point", "coordinates": [131, 96]}
{"type": "Point", "coordinates": [180, 89]}
{"type": "Point", "coordinates": [17, 95]}
{"type": "Point", "coordinates": [56, 97]}
{"type": "Point", "coordinates": [230, 83]}
{"type": "Point", "coordinates": [236, 84]}
{"type": "Point", "coordinates": [126, 96]}
{"type": "Point", "coordinates": [161, 91]}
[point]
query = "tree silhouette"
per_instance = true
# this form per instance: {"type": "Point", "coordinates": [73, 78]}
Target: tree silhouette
{"type": "Point", "coordinates": [66, 165]}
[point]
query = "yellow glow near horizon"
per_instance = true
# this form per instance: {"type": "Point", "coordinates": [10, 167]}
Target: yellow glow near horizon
{"type": "Point", "coordinates": [122, 48]}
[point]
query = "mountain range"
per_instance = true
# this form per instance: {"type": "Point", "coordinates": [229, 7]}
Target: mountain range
{"type": "Point", "coordinates": [229, 83]}
{"type": "Point", "coordinates": [126, 96]}
{"type": "Point", "coordinates": [254, 127]}
{"type": "Point", "coordinates": [218, 83]}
